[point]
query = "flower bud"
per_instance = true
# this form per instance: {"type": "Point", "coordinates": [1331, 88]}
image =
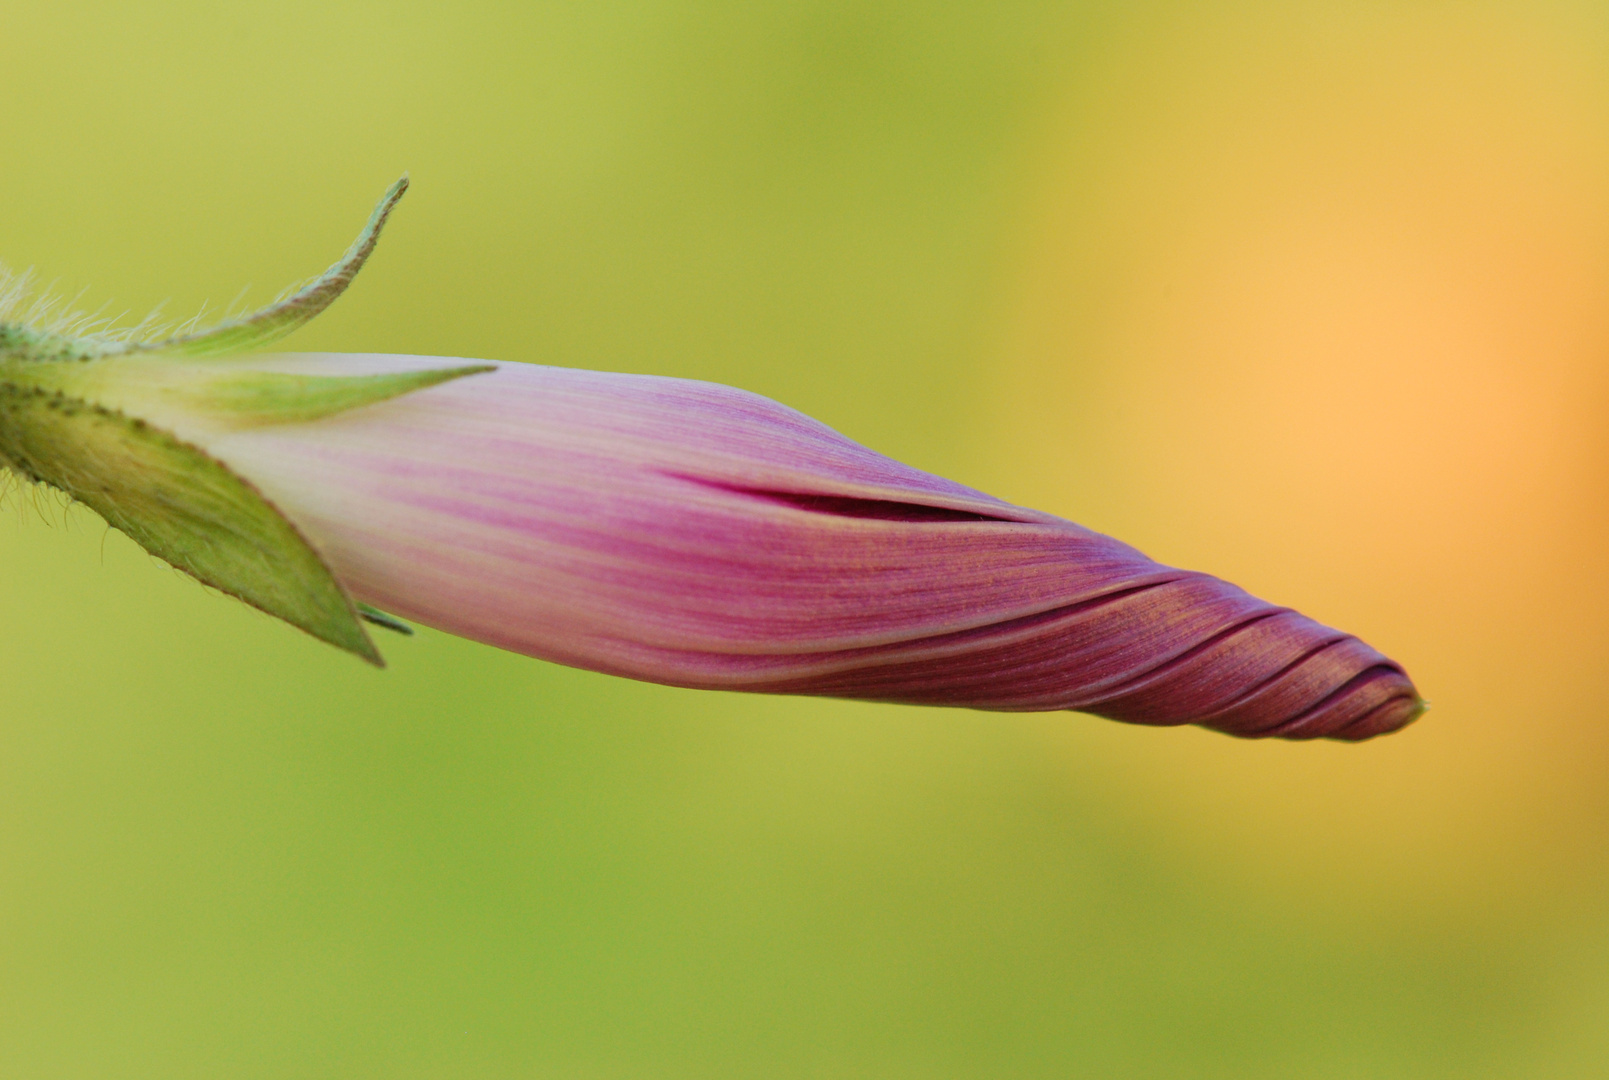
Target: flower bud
{"type": "Point", "coordinates": [662, 529]}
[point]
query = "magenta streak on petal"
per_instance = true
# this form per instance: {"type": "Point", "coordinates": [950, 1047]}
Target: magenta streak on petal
{"type": "Point", "coordinates": [698, 535]}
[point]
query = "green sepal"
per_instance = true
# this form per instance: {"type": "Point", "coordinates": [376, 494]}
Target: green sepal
{"type": "Point", "coordinates": [270, 397]}
{"type": "Point", "coordinates": [181, 505]}
{"type": "Point", "coordinates": [159, 389]}
{"type": "Point", "coordinates": [38, 344]}
{"type": "Point", "coordinates": [282, 317]}
{"type": "Point", "coordinates": [94, 416]}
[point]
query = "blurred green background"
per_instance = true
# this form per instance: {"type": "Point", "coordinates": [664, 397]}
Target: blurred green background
{"type": "Point", "coordinates": [1311, 296]}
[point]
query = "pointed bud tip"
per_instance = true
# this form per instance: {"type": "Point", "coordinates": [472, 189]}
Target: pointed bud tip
{"type": "Point", "coordinates": [1392, 716]}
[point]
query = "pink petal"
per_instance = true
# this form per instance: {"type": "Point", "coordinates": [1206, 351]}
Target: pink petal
{"type": "Point", "coordinates": [698, 535]}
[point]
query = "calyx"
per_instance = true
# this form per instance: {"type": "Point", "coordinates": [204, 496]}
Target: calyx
{"type": "Point", "coordinates": [85, 415]}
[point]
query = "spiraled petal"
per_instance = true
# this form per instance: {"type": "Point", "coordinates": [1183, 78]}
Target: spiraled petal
{"type": "Point", "coordinates": [698, 535]}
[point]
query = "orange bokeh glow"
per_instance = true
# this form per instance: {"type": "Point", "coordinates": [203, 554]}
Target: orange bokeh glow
{"type": "Point", "coordinates": [1327, 313]}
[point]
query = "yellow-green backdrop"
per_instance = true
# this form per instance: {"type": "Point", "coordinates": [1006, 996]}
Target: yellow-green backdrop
{"type": "Point", "coordinates": [1314, 296]}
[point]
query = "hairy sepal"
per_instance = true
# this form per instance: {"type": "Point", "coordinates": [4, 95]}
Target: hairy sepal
{"type": "Point", "coordinates": [180, 504]}
{"type": "Point", "coordinates": [38, 344]}
{"type": "Point", "coordinates": [95, 415]}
